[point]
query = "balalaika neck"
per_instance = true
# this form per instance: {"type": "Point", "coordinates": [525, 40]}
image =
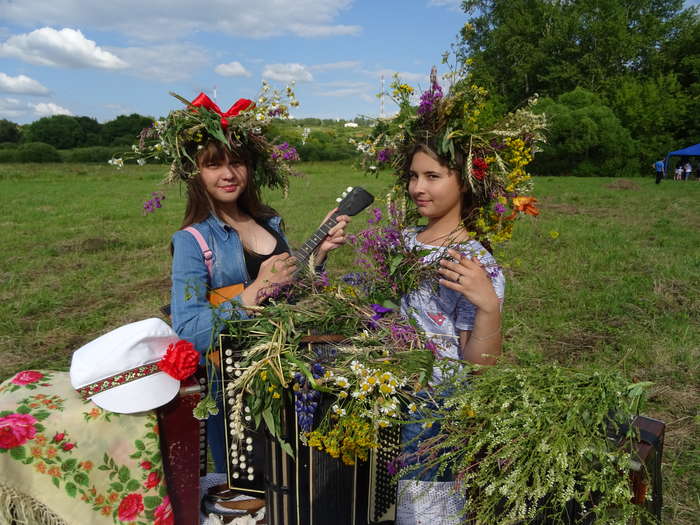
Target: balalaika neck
{"type": "Point", "coordinates": [302, 254]}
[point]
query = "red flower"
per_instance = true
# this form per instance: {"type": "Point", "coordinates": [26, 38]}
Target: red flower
{"type": "Point", "coordinates": [68, 446]}
{"type": "Point", "coordinates": [164, 513]}
{"type": "Point", "coordinates": [479, 168]}
{"type": "Point", "coordinates": [58, 437]}
{"type": "Point", "coordinates": [180, 360]}
{"type": "Point", "coordinates": [26, 377]}
{"type": "Point", "coordinates": [146, 465]}
{"type": "Point", "coordinates": [16, 429]}
{"type": "Point", "coordinates": [153, 480]}
{"type": "Point", "coordinates": [130, 507]}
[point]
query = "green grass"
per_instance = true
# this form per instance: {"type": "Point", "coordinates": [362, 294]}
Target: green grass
{"type": "Point", "coordinates": [618, 287]}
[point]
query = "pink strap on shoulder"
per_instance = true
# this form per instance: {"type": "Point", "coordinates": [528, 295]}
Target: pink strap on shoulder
{"type": "Point", "coordinates": [206, 252]}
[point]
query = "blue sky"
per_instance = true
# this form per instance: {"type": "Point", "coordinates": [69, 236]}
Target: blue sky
{"type": "Point", "coordinates": [104, 59]}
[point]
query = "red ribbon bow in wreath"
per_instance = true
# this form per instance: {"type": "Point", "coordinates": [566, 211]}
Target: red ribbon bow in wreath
{"type": "Point", "coordinates": [241, 104]}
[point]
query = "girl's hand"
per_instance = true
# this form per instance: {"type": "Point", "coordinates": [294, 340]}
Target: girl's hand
{"type": "Point", "coordinates": [336, 236]}
{"type": "Point", "coordinates": [468, 277]}
{"type": "Point", "coordinates": [277, 270]}
{"type": "Point", "coordinates": [274, 272]}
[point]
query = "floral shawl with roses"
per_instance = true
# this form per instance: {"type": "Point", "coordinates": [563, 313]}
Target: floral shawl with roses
{"type": "Point", "coordinates": [64, 461]}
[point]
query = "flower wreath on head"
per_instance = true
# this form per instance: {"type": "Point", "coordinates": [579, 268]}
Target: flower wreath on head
{"type": "Point", "coordinates": [177, 137]}
{"type": "Point", "coordinates": [490, 154]}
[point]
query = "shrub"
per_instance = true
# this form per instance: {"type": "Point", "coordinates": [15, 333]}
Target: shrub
{"type": "Point", "coordinates": [38, 152]}
{"type": "Point", "coordinates": [585, 138]}
{"type": "Point", "coordinates": [7, 154]}
{"type": "Point", "coordinates": [91, 154]}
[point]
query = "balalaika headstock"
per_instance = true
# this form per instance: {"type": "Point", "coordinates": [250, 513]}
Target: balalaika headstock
{"type": "Point", "coordinates": [353, 201]}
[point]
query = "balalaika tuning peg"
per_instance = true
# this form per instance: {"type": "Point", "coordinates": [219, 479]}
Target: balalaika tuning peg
{"type": "Point", "coordinates": [338, 199]}
{"type": "Point", "coordinates": [349, 189]}
{"type": "Point", "coordinates": [344, 194]}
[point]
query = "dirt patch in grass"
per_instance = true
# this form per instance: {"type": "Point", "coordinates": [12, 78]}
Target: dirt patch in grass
{"type": "Point", "coordinates": [673, 295]}
{"type": "Point", "coordinates": [622, 184]}
{"type": "Point", "coordinates": [90, 245]}
{"type": "Point", "coordinates": [576, 345]}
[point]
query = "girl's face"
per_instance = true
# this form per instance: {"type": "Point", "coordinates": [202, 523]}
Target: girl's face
{"type": "Point", "coordinates": [224, 180]}
{"type": "Point", "coordinates": [436, 189]}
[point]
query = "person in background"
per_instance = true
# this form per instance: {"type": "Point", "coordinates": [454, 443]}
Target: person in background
{"type": "Point", "coordinates": [660, 168]}
{"type": "Point", "coordinates": [687, 169]}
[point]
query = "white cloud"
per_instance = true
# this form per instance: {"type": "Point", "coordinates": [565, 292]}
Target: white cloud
{"type": "Point", "coordinates": [166, 62]}
{"type": "Point", "coordinates": [21, 84]}
{"type": "Point", "coordinates": [164, 19]}
{"type": "Point", "coordinates": [11, 108]}
{"type": "Point", "coordinates": [64, 48]}
{"type": "Point", "coordinates": [345, 64]}
{"type": "Point", "coordinates": [287, 72]}
{"type": "Point", "coordinates": [455, 5]}
{"type": "Point", "coordinates": [232, 69]}
{"type": "Point", "coordinates": [48, 109]}
{"type": "Point", "coordinates": [310, 30]}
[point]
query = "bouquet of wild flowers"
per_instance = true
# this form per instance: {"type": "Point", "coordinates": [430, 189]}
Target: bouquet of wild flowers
{"type": "Point", "coordinates": [525, 441]}
{"type": "Point", "coordinates": [366, 379]}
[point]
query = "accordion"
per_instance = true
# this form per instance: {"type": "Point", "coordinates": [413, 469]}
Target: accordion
{"type": "Point", "coordinates": [312, 487]}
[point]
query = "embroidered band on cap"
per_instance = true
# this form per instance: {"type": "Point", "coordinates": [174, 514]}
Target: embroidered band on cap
{"type": "Point", "coordinates": [87, 391]}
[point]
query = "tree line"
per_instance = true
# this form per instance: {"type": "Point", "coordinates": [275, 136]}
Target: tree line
{"type": "Point", "coordinates": [619, 80]}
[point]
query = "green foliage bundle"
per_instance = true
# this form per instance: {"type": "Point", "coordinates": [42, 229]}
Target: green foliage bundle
{"type": "Point", "coordinates": [526, 441]}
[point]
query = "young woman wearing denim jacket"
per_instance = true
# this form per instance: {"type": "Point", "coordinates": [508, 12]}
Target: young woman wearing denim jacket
{"type": "Point", "coordinates": [248, 247]}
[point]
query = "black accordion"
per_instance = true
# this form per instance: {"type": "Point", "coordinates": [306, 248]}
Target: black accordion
{"type": "Point", "coordinates": [312, 488]}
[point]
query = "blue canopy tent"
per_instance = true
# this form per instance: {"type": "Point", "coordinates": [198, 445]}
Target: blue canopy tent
{"type": "Point", "coordinates": [690, 151]}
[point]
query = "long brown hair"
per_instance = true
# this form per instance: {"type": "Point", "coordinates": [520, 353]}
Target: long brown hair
{"type": "Point", "coordinates": [199, 203]}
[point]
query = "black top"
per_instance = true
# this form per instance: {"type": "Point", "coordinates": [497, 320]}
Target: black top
{"type": "Point", "coordinates": [254, 260]}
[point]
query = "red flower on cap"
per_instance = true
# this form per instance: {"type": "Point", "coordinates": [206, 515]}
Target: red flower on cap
{"type": "Point", "coordinates": [180, 360]}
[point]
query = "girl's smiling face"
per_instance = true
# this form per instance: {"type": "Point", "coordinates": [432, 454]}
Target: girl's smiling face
{"type": "Point", "coordinates": [225, 180]}
{"type": "Point", "coordinates": [436, 189]}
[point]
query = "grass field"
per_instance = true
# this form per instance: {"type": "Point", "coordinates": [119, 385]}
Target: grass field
{"type": "Point", "coordinates": [619, 285]}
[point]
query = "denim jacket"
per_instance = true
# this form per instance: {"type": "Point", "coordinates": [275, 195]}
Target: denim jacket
{"type": "Point", "coordinates": [194, 319]}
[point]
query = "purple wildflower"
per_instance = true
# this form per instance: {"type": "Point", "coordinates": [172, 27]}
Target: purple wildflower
{"type": "Point", "coordinates": [403, 334]}
{"type": "Point", "coordinates": [154, 202]}
{"type": "Point", "coordinates": [499, 208]}
{"type": "Point", "coordinates": [377, 216]}
{"type": "Point", "coordinates": [384, 155]}
{"type": "Point", "coordinates": [285, 151]}
{"type": "Point", "coordinates": [429, 98]}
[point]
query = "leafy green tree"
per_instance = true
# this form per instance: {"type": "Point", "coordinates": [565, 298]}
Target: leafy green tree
{"type": "Point", "coordinates": [585, 138]}
{"type": "Point", "coordinates": [124, 129]}
{"type": "Point", "coordinates": [60, 131]}
{"type": "Point", "coordinates": [655, 111]}
{"type": "Point", "coordinates": [91, 128]}
{"type": "Point", "coordinates": [9, 131]}
{"type": "Point", "coordinates": [522, 47]}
